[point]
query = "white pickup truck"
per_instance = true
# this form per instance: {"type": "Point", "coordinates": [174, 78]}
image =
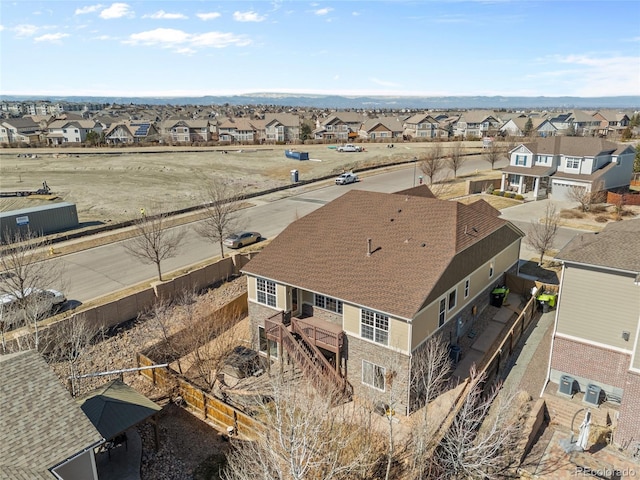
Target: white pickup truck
{"type": "Point", "coordinates": [349, 147]}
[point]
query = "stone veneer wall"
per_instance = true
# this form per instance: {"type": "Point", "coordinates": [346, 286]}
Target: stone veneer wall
{"type": "Point", "coordinates": [397, 396]}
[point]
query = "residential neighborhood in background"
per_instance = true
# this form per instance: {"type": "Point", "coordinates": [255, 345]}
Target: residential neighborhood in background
{"type": "Point", "coordinates": [53, 124]}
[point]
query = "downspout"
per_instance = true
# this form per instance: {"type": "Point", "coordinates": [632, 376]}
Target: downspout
{"type": "Point", "coordinates": [553, 335]}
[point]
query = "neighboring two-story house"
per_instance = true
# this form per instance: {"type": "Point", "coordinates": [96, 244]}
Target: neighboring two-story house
{"type": "Point", "coordinates": [281, 127]}
{"type": "Point", "coordinates": [365, 280]}
{"type": "Point", "coordinates": [131, 133]}
{"type": "Point", "coordinates": [476, 124]}
{"type": "Point", "coordinates": [339, 127]}
{"type": "Point", "coordinates": [597, 328]}
{"type": "Point", "coordinates": [559, 164]}
{"type": "Point", "coordinates": [62, 132]}
{"type": "Point", "coordinates": [19, 130]}
{"type": "Point", "coordinates": [381, 128]}
{"type": "Point", "coordinates": [421, 125]}
{"type": "Point", "coordinates": [186, 131]}
{"type": "Point", "coordinates": [516, 127]}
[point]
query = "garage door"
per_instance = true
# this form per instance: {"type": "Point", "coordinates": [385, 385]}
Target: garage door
{"type": "Point", "coordinates": [560, 190]}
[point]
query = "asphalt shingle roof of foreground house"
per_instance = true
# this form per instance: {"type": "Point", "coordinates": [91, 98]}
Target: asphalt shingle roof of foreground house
{"type": "Point", "coordinates": [617, 246]}
{"type": "Point", "coordinates": [40, 423]}
{"type": "Point", "coordinates": [419, 245]}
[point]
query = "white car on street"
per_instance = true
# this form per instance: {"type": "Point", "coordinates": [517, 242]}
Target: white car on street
{"type": "Point", "coordinates": [346, 178]}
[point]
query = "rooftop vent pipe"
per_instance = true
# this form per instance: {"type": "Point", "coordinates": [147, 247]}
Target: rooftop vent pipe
{"type": "Point", "coordinates": [368, 247]}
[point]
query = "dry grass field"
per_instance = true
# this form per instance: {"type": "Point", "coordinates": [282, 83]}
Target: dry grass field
{"type": "Point", "coordinates": [111, 185]}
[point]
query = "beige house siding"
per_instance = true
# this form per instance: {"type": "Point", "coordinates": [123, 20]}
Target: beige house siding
{"type": "Point", "coordinates": [351, 320]}
{"type": "Point", "coordinates": [426, 321]}
{"type": "Point", "coordinates": [582, 316]}
{"type": "Point", "coordinates": [251, 288]}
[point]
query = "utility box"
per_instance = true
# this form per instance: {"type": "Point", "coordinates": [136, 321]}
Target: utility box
{"type": "Point", "coordinates": [294, 176]}
{"type": "Point", "coordinates": [454, 353]}
{"type": "Point", "coordinates": [592, 395]}
{"type": "Point", "coordinates": [565, 387]}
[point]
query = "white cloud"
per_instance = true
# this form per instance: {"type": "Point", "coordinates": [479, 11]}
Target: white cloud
{"type": "Point", "coordinates": [384, 83]}
{"type": "Point", "coordinates": [51, 37]}
{"type": "Point", "coordinates": [603, 76]}
{"type": "Point", "coordinates": [208, 16]}
{"type": "Point", "coordinates": [183, 42]}
{"type": "Point", "coordinates": [117, 10]}
{"type": "Point", "coordinates": [162, 15]}
{"type": "Point", "coordinates": [1, 28]}
{"type": "Point", "coordinates": [88, 9]}
{"type": "Point", "coordinates": [323, 11]}
{"type": "Point", "coordinates": [25, 30]}
{"type": "Point", "coordinates": [248, 17]}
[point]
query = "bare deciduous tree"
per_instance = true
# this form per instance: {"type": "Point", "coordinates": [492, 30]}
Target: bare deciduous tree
{"type": "Point", "coordinates": [581, 195]}
{"type": "Point", "coordinates": [221, 203]}
{"type": "Point", "coordinates": [430, 377]}
{"type": "Point", "coordinates": [25, 273]}
{"type": "Point", "coordinates": [432, 163]}
{"type": "Point", "coordinates": [483, 435]}
{"type": "Point", "coordinates": [494, 153]}
{"type": "Point", "coordinates": [210, 338]}
{"type": "Point", "coordinates": [456, 158]}
{"type": "Point", "coordinates": [305, 437]}
{"type": "Point", "coordinates": [542, 233]}
{"type": "Point", "coordinates": [154, 241]}
{"type": "Point", "coordinates": [72, 337]}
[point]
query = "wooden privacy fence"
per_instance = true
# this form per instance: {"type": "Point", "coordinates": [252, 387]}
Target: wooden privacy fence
{"type": "Point", "coordinates": [502, 348]}
{"type": "Point", "coordinates": [624, 198]}
{"type": "Point", "coordinates": [200, 403]}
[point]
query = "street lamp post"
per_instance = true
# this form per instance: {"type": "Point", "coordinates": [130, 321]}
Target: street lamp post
{"type": "Point", "coordinates": [415, 160]}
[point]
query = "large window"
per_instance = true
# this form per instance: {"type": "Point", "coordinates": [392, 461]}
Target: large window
{"type": "Point", "coordinates": [266, 292]}
{"type": "Point", "coordinates": [374, 326]}
{"type": "Point", "coordinates": [442, 312]}
{"type": "Point", "coordinates": [373, 375]}
{"type": "Point", "coordinates": [452, 299]}
{"type": "Point", "coordinates": [328, 303]}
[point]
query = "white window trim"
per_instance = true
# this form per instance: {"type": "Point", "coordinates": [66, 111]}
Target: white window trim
{"type": "Point", "coordinates": [467, 287]}
{"type": "Point", "coordinates": [372, 385]}
{"type": "Point", "coordinates": [267, 295]}
{"type": "Point", "coordinates": [374, 328]}
{"type": "Point", "coordinates": [492, 268]}
{"type": "Point", "coordinates": [442, 312]}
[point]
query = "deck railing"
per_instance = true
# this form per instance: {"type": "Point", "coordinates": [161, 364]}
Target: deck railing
{"type": "Point", "coordinates": [308, 357]}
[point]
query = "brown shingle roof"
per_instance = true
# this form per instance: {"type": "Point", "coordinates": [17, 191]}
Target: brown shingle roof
{"type": "Point", "coordinates": [617, 246]}
{"type": "Point", "coordinates": [576, 146]}
{"type": "Point", "coordinates": [41, 424]}
{"type": "Point", "coordinates": [414, 240]}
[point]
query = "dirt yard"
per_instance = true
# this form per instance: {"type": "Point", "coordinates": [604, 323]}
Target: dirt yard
{"type": "Point", "coordinates": [111, 185]}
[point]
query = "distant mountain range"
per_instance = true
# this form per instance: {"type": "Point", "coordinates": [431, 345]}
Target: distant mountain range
{"type": "Point", "coordinates": [357, 102]}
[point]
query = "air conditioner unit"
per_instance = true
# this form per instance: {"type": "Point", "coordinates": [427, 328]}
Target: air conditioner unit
{"type": "Point", "coordinates": [565, 387]}
{"type": "Point", "coordinates": [592, 395]}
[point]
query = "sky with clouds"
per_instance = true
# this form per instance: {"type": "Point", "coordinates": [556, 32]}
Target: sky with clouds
{"type": "Point", "coordinates": [428, 48]}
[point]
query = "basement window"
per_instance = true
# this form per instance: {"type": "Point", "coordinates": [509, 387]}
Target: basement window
{"type": "Point", "coordinates": [373, 375]}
